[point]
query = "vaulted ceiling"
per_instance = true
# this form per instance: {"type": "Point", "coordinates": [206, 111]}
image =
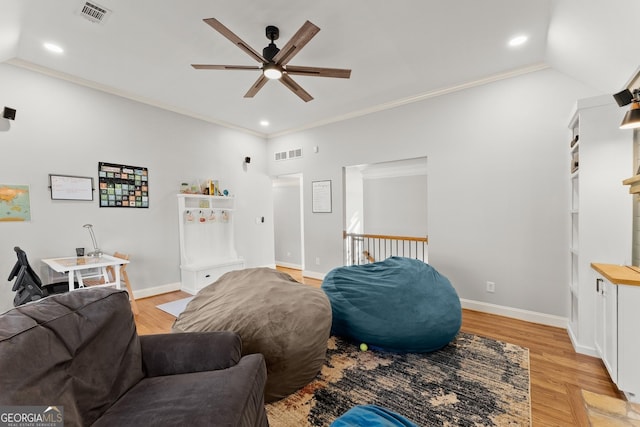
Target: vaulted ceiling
{"type": "Point", "coordinates": [398, 51]}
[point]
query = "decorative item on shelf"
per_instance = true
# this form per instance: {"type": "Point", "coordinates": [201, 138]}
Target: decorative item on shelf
{"type": "Point", "coordinates": [574, 141]}
{"type": "Point", "coordinates": [212, 216]}
{"type": "Point", "coordinates": [225, 192]}
{"type": "Point", "coordinates": [575, 162]}
{"type": "Point", "coordinates": [631, 119]}
{"type": "Point", "coordinates": [184, 187]}
{"type": "Point", "coordinates": [96, 252]}
{"type": "Point", "coordinates": [225, 216]}
{"type": "Point", "coordinates": [201, 217]}
{"type": "Point", "coordinates": [633, 183]}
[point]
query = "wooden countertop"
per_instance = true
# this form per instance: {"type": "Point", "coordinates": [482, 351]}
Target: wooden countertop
{"type": "Point", "coordinates": [619, 274]}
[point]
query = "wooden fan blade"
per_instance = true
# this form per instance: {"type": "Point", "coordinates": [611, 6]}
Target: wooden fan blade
{"type": "Point", "coordinates": [262, 80]}
{"type": "Point", "coordinates": [219, 27]}
{"type": "Point", "coordinates": [297, 42]}
{"type": "Point", "coordinates": [295, 88]}
{"type": "Point", "coordinates": [224, 67]}
{"type": "Point", "coordinates": [340, 73]}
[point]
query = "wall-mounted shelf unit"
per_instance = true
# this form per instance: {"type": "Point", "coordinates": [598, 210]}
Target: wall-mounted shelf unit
{"type": "Point", "coordinates": [207, 244]}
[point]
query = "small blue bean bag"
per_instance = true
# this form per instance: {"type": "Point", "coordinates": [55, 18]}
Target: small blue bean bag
{"type": "Point", "coordinates": [399, 304]}
{"type": "Point", "coordinates": [371, 416]}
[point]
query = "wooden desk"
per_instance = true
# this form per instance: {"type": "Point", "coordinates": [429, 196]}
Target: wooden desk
{"type": "Point", "coordinates": [79, 268]}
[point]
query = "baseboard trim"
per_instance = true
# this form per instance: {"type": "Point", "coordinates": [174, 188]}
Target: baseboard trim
{"type": "Point", "coordinates": [313, 274]}
{"type": "Point", "coordinates": [516, 313]}
{"type": "Point", "coordinates": [157, 290]}
{"type": "Point", "coordinates": [289, 265]}
{"type": "Point", "coordinates": [582, 349]}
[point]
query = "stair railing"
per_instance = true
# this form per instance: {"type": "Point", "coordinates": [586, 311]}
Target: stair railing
{"type": "Point", "coordinates": [367, 248]}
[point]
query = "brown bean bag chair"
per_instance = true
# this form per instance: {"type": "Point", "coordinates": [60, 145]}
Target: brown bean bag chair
{"type": "Point", "coordinates": [287, 321]}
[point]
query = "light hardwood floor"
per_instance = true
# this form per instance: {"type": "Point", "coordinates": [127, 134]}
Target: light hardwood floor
{"type": "Point", "coordinates": [557, 372]}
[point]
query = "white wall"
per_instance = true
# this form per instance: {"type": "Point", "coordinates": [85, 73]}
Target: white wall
{"type": "Point", "coordinates": [65, 128]}
{"type": "Point", "coordinates": [396, 206]}
{"type": "Point", "coordinates": [498, 184]}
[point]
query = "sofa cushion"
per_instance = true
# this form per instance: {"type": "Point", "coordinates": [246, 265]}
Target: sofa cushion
{"type": "Point", "coordinates": [73, 346]}
{"type": "Point", "coordinates": [234, 395]}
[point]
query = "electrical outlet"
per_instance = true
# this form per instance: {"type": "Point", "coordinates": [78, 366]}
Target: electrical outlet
{"type": "Point", "coordinates": [317, 260]}
{"type": "Point", "coordinates": [491, 287]}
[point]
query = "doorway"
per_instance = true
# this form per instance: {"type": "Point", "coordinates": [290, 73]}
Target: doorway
{"type": "Point", "coordinates": [288, 222]}
{"type": "Point", "coordinates": [385, 210]}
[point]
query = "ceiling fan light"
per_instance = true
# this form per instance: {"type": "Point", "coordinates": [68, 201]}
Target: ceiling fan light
{"type": "Point", "coordinates": [632, 118]}
{"type": "Point", "coordinates": [272, 71]}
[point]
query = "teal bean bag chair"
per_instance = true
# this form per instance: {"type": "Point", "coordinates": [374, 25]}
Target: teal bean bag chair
{"type": "Point", "coordinates": [371, 416]}
{"type": "Point", "coordinates": [399, 304]}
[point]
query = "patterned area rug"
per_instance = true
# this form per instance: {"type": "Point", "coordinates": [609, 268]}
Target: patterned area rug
{"type": "Point", "coordinates": [474, 381]}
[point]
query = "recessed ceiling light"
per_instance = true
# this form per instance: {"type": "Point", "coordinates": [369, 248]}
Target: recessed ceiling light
{"type": "Point", "coordinates": [264, 123]}
{"type": "Point", "coordinates": [51, 47]}
{"type": "Point", "coordinates": [518, 41]}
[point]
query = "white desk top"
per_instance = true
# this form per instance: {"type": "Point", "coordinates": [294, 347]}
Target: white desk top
{"type": "Point", "coordinates": [81, 263]}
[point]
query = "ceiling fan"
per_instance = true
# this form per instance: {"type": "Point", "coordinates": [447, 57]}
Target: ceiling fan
{"type": "Point", "coordinates": [274, 61]}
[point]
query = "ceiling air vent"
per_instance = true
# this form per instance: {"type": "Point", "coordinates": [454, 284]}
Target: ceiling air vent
{"type": "Point", "coordinates": [94, 12]}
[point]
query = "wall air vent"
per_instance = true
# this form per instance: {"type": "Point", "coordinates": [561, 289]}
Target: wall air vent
{"type": "Point", "coordinates": [290, 154]}
{"type": "Point", "coordinates": [295, 153]}
{"type": "Point", "coordinates": [94, 12]}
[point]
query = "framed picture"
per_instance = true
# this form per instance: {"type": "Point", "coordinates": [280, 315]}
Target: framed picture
{"type": "Point", "coordinates": [15, 203]}
{"type": "Point", "coordinates": [70, 187]}
{"type": "Point", "coordinates": [321, 196]}
{"type": "Point", "coordinates": [123, 186]}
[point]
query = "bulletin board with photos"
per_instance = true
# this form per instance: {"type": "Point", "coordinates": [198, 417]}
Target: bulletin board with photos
{"type": "Point", "coordinates": [123, 186]}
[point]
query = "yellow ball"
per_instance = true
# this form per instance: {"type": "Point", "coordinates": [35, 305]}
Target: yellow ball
{"type": "Point", "coordinates": [364, 347]}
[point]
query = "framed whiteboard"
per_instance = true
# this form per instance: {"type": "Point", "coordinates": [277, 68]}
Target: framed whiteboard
{"type": "Point", "coordinates": [69, 187]}
{"type": "Point", "coordinates": [321, 196]}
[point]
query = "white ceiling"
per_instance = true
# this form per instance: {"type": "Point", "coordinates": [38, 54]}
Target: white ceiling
{"type": "Point", "coordinates": [398, 51]}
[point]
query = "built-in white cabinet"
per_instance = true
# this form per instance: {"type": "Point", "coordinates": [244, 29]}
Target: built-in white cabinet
{"type": "Point", "coordinates": [207, 243]}
{"type": "Point", "coordinates": [606, 342]}
{"type": "Point", "coordinates": [600, 157]}
{"type": "Point", "coordinates": [617, 333]}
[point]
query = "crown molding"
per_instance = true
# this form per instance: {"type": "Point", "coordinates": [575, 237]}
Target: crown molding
{"type": "Point", "coordinates": [416, 98]}
{"type": "Point", "coordinates": [124, 94]}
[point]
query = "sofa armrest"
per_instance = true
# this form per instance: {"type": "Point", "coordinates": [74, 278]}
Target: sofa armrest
{"type": "Point", "coordinates": [181, 353]}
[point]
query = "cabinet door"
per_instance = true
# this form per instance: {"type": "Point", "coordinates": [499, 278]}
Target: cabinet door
{"type": "Point", "coordinates": [629, 341]}
{"type": "Point", "coordinates": [610, 325]}
{"type": "Point", "coordinates": [600, 316]}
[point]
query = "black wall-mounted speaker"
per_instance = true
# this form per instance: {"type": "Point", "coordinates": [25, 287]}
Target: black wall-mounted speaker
{"type": "Point", "coordinates": [623, 98]}
{"type": "Point", "coordinates": [9, 113]}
